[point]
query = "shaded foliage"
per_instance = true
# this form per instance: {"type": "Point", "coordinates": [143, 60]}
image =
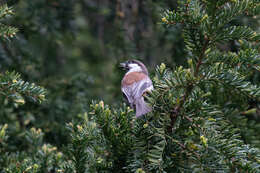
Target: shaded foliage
{"type": "Point", "coordinates": [205, 104]}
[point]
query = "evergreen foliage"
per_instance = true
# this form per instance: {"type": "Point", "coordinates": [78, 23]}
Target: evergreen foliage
{"type": "Point", "coordinates": [205, 112]}
{"type": "Point", "coordinates": [189, 129]}
{"type": "Point", "coordinates": [5, 30]}
{"type": "Point", "coordinates": [13, 87]}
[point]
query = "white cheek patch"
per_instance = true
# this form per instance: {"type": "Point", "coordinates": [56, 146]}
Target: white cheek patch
{"type": "Point", "coordinates": [134, 68]}
{"type": "Point", "coordinates": [133, 65]}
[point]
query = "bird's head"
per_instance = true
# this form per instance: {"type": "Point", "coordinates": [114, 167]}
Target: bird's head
{"type": "Point", "coordinates": [134, 66]}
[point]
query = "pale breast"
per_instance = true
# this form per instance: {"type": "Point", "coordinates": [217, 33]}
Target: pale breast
{"type": "Point", "coordinates": [133, 77]}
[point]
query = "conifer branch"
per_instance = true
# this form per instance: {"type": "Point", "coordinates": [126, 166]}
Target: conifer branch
{"type": "Point", "coordinates": [190, 86]}
{"type": "Point", "coordinates": [204, 48]}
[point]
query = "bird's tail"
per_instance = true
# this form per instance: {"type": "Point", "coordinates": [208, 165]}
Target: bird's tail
{"type": "Point", "coordinates": [141, 107]}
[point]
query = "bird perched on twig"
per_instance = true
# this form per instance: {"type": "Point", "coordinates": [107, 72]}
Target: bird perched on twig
{"type": "Point", "coordinates": [135, 84]}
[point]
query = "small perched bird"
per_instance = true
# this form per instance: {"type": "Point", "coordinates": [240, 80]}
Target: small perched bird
{"type": "Point", "coordinates": [135, 84]}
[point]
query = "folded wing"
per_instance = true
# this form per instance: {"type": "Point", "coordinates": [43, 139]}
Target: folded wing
{"type": "Point", "coordinates": [134, 94]}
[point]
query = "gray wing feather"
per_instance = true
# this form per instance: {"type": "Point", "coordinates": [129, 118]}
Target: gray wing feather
{"type": "Point", "coordinates": [136, 90]}
{"type": "Point", "coordinates": [128, 93]}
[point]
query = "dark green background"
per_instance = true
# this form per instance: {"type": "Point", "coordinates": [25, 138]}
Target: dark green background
{"type": "Point", "coordinates": [73, 48]}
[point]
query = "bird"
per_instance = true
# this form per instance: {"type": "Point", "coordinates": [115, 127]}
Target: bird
{"type": "Point", "coordinates": [135, 84]}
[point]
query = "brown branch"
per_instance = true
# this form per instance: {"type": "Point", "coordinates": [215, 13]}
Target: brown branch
{"type": "Point", "coordinates": [176, 111]}
{"type": "Point", "coordinates": [184, 147]}
{"type": "Point", "coordinates": [189, 88]}
{"type": "Point", "coordinates": [201, 57]}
